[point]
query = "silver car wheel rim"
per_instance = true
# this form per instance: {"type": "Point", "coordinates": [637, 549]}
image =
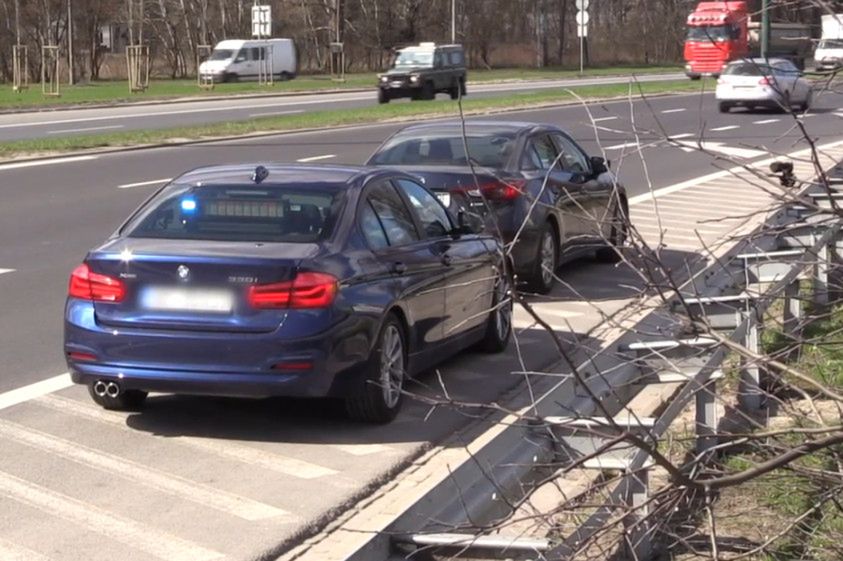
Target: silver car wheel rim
{"type": "Point", "coordinates": [392, 366]}
{"type": "Point", "coordinates": [503, 315]}
{"type": "Point", "coordinates": [548, 258]}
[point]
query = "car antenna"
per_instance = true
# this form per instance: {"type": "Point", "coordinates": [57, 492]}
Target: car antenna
{"type": "Point", "coordinates": [260, 174]}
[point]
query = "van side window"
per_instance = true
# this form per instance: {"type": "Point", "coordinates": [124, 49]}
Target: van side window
{"type": "Point", "coordinates": [456, 58]}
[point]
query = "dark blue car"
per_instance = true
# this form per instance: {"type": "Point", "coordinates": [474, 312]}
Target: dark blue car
{"type": "Point", "coordinates": [283, 281]}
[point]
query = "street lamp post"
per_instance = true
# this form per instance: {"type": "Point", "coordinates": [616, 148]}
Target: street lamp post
{"type": "Point", "coordinates": [765, 28]}
{"type": "Point", "coordinates": [453, 21]}
{"type": "Point", "coordinates": [70, 42]}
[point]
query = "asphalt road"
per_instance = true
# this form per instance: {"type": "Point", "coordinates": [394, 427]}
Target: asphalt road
{"type": "Point", "coordinates": [189, 478]}
{"type": "Point", "coordinates": [67, 122]}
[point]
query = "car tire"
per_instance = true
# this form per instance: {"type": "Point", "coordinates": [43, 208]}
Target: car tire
{"type": "Point", "coordinates": [542, 277]}
{"type": "Point", "coordinates": [463, 91]}
{"type": "Point", "coordinates": [127, 400]}
{"type": "Point", "coordinates": [724, 107]}
{"type": "Point", "coordinates": [285, 76]}
{"type": "Point", "coordinates": [427, 92]}
{"type": "Point", "coordinates": [695, 77]}
{"type": "Point", "coordinates": [617, 236]}
{"type": "Point", "coordinates": [455, 91]}
{"type": "Point", "coordinates": [383, 97]}
{"type": "Point", "coordinates": [499, 324]}
{"type": "Point", "coordinates": [380, 398]}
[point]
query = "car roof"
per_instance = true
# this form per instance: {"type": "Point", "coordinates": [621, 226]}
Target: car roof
{"type": "Point", "coordinates": [511, 127]}
{"type": "Point", "coordinates": [278, 174]}
{"type": "Point", "coordinates": [759, 61]}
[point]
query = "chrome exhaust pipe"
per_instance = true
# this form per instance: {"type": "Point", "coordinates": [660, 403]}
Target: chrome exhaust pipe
{"type": "Point", "coordinates": [100, 388]}
{"type": "Point", "coordinates": [112, 389]}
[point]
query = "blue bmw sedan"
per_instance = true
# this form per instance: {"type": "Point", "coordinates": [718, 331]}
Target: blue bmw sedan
{"type": "Point", "coordinates": [282, 280]}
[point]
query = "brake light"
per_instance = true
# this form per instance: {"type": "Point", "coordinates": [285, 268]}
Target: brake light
{"type": "Point", "coordinates": [77, 356]}
{"type": "Point", "coordinates": [503, 190]}
{"type": "Point", "coordinates": [306, 291]}
{"type": "Point", "coordinates": [93, 286]}
{"type": "Point", "coordinates": [765, 81]}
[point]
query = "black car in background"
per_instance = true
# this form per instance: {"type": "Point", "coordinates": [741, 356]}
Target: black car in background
{"type": "Point", "coordinates": [422, 71]}
{"type": "Point", "coordinates": [533, 185]}
{"type": "Point", "coordinates": [283, 280]}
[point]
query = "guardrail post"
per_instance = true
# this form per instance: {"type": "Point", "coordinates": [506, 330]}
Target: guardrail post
{"type": "Point", "coordinates": [750, 396]}
{"type": "Point", "coordinates": [637, 526]}
{"type": "Point", "coordinates": [706, 425]}
{"type": "Point", "coordinates": [821, 268]}
{"type": "Point", "coordinates": [792, 316]}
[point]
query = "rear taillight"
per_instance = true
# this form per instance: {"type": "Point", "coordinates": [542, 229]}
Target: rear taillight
{"type": "Point", "coordinates": [503, 190]}
{"type": "Point", "coordinates": [765, 81]}
{"type": "Point", "coordinates": [83, 357]}
{"type": "Point", "coordinates": [307, 290]}
{"type": "Point", "coordinates": [92, 286]}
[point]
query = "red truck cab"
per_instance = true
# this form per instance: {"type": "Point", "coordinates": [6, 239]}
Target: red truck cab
{"type": "Point", "coordinates": [717, 34]}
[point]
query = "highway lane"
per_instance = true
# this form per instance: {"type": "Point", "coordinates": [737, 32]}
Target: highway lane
{"type": "Point", "coordinates": [38, 124]}
{"type": "Point", "coordinates": [53, 213]}
{"type": "Point", "coordinates": [105, 473]}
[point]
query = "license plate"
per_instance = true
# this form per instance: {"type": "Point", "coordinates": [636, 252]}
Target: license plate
{"type": "Point", "coordinates": [187, 299]}
{"type": "Point", "coordinates": [397, 84]}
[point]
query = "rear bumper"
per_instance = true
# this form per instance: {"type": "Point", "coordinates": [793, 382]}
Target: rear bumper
{"type": "Point", "coordinates": [314, 383]}
{"type": "Point", "coordinates": [766, 96]}
{"type": "Point", "coordinates": [224, 364]}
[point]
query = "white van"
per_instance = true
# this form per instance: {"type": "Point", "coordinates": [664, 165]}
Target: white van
{"type": "Point", "coordinates": [829, 53]}
{"type": "Point", "coordinates": [238, 59]}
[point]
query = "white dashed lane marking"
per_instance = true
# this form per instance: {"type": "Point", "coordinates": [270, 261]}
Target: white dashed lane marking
{"type": "Point", "coordinates": [765, 121]}
{"type": "Point", "coordinates": [144, 183]}
{"type": "Point", "coordinates": [726, 128]}
{"type": "Point", "coordinates": [140, 474]}
{"type": "Point", "coordinates": [121, 529]}
{"type": "Point", "coordinates": [317, 158]}
{"type": "Point", "coordinates": [601, 119]}
{"type": "Point", "coordinates": [31, 391]}
{"type": "Point", "coordinates": [4, 271]}
{"type": "Point", "coordinates": [680, 110]}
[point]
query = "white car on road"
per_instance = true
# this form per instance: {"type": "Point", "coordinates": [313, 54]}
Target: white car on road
{"type": "Point", "coordinates": [759, 82]}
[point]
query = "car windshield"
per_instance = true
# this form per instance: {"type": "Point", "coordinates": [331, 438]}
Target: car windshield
{"type": "Point", "coordinates": [712, 33]}
{"type": "Point", "coordinates": [410, 57]}
{"type": "Point", "coordinates": [491, 150]}
{"type": "Point", "coordinates": [747, 69]}
{"type": "Point", "coordinates": [221, 54]}
{"type": "Point", "coordinates": [273, 214]}
{"type": "Point", "coordinates": [831, 44]}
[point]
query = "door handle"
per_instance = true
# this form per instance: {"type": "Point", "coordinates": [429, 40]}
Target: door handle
{"type": "Point", "coordinates": [446, 260]}
{"type": "Point", "coordinates": [399, 268]}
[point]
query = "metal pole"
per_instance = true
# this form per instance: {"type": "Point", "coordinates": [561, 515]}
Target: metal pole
{"type": "Point", "coordinates": [17, 23]}
{"type": "Point", "coordinates": [70, 42]}
{"type": "Point", "coordinates": [453, 21]}
{"type": "Point", "coordinates": [765, 28]}
{"type": "Point", "coordinates": [582, 48]}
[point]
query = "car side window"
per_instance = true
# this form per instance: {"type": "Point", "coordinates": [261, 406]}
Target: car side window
{"type": "Point", "coordinates": [372, 228]}
{"type": "Point", "coordinates": [572, 158]}
{"type": "Point", "coordinates": [432, 215]}
{"type": "Point", "coordinates": [394, 216]}
{"type": "Point", "coordinates": [540, 154]}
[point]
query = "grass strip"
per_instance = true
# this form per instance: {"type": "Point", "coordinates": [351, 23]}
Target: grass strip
{"type": "Point", "coordinates": [117, 91]}
{"type": "Point", "coordinates": [331, 118]}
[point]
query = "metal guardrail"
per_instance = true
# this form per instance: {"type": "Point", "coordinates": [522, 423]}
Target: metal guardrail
{"type": "Point", "coordinates": [730, 298]}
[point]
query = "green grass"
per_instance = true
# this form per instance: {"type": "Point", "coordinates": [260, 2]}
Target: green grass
{"type": "Point", "coordinates": [336, 117]}
{"type": "Point", "coordinates": [117, 92]}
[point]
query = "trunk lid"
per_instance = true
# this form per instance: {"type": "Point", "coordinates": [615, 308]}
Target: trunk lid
{"type": "Point", "coordinates": [193, 285]}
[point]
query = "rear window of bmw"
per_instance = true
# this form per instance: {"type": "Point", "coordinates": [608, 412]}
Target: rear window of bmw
{"type": "Point", "coordinates": [271, 214]}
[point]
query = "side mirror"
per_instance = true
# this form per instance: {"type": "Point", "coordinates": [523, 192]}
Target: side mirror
{"type": "Point", "coordinates": [468, 223]}
{"type": "Point", "coordinates": [240, 59]}
{"type": "Point", "coordinates": [599, 165]}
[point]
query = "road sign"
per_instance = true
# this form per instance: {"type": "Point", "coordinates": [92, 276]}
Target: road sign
{"type": "Point", "coordinates": [582, 31]}
{"type": "Point", "coordinates": [582, 19]}
{"type": "Point", "coordinates": [582, 5]}
{"type": "Point", "coordinates": [261, 21]}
